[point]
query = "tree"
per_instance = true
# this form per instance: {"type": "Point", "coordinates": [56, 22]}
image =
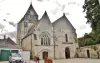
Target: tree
{"type": "Point", "coordinates": [92, 9]}
{"type": "Point", "coordinates": [87, 39]}
{"type": "Point", "coordinates": [81, 42]}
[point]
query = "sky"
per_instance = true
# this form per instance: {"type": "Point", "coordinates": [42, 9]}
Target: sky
{"type": "Point", "coordinates": [11, 12]}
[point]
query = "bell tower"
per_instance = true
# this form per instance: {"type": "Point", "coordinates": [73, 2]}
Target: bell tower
{"type": "Point", "coordinates": [30, 18]}
{"type": "Point", "coordinates": [31, 14]}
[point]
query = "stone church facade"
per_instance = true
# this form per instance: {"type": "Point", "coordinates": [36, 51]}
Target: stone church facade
{"type": "Point", "coordinates": [43, 38]}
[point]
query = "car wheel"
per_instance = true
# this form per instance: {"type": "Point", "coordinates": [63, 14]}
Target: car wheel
{"type": "Point", "coordinates": [9, 62]}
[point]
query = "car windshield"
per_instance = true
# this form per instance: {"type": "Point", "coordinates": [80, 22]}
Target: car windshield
{"type": "Point", "coordinates": [16, 55]}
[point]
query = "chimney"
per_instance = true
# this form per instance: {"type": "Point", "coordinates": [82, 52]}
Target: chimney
{"type": "Point", "coordinates": [4, 36]}
{"type": "Point", "coordinates": [63, 14]}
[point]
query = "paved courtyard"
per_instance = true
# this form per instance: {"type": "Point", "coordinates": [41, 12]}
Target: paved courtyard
{"type": "Point", "coordinates": [78, 60]}
{"type": "Point", "coordinates": [75, 60]}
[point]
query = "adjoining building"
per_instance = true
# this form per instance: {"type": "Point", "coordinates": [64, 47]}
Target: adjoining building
{"type": "Point", "coordinates": [7, 46]}
{"type": "Point", "coordinates": [43, 38]}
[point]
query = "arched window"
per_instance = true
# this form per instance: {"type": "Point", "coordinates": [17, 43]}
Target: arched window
{"type": "Point", "coordinates": [45, 38]}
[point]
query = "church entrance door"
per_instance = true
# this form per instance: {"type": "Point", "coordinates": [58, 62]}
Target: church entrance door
{"type": "Point", "coordinates": [67, 53]}
{"type": "Point", "coordinates": [88, 54]}
{"type": "Point", "coordinates": [45, 54]}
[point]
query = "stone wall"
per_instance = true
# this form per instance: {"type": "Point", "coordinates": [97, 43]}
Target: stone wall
{"type": "Point", "coordinates": [92, 51]}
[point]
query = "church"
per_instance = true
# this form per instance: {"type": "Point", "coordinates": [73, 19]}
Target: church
{"type": "Point", "coordinates": [57, 40]}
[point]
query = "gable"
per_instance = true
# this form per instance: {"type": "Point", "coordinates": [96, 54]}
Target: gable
{"type": "Point", "coordinates": [10, 41]}
{"type": "Point", "coordinates": [45, 22]}
{"type": "Point", "coordinates": [30, 11]}
{"type": "Point", "coordinates": [64, 23]}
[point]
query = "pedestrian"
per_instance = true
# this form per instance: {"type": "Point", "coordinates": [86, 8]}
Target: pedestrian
{"type": "Point", "coordinates": [49, 60]}
{"type": "Point", "coordinates": [38, 59]}
{"type": "Point", "coordinates": [35, 60]}
{"type": "Point", "coordinates": [46, 59]}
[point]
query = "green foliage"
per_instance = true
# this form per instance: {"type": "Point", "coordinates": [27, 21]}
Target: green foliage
{"type": "Point", "coordinates": [89, 41]}
{"type": "Point", "coordinates": [81, 42]}
{"type": "Point", "coordinates": [92, 9]}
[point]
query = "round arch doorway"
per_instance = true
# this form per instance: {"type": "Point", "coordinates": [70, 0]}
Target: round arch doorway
{"type": "Point", "coordinates": [44, 54]}
{"type": "Point", "coordinates": [67, 53]}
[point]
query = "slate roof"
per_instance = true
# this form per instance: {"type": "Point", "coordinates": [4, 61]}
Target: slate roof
{"type": "Point", "coordinates": [30, 7]}
{"type": "Point", "coordinates": [8, 43]}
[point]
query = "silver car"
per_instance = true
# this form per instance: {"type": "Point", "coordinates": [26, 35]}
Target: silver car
{"type": "Point", "coordinates": [15, 58]}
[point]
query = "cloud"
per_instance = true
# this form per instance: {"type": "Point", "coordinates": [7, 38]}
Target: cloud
{"type": "Point", "coordinates": [6, 27]}
{"type": "Point", "coordinates": [72, 3]}
{"type": "Point", "coordinates": [1, 26]}
{"type": "Point", "coordinates": [61, 6]}
{"type": "Point", "coordinates": [82, 27]}
{"type": "Point", "coordinates": [67, 13]}
{"type": "Point", "coordinates": [12, 23]}
{"type": "Point", "coordinates": [54, 11]}
{"type": "Point", "coordinates": [55, 6]}
{"type": "Point", "coordinates": [10, 34]}
{"type": "Point", "coordinates": [72, 8]}
{"type": "Point", "coordinates": [42, 0]}
{"type": "Point", "coordinates": [2, 1]}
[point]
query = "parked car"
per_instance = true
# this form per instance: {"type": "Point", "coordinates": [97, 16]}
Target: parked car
{"type": "Point", "coordinates": [15, 58]}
